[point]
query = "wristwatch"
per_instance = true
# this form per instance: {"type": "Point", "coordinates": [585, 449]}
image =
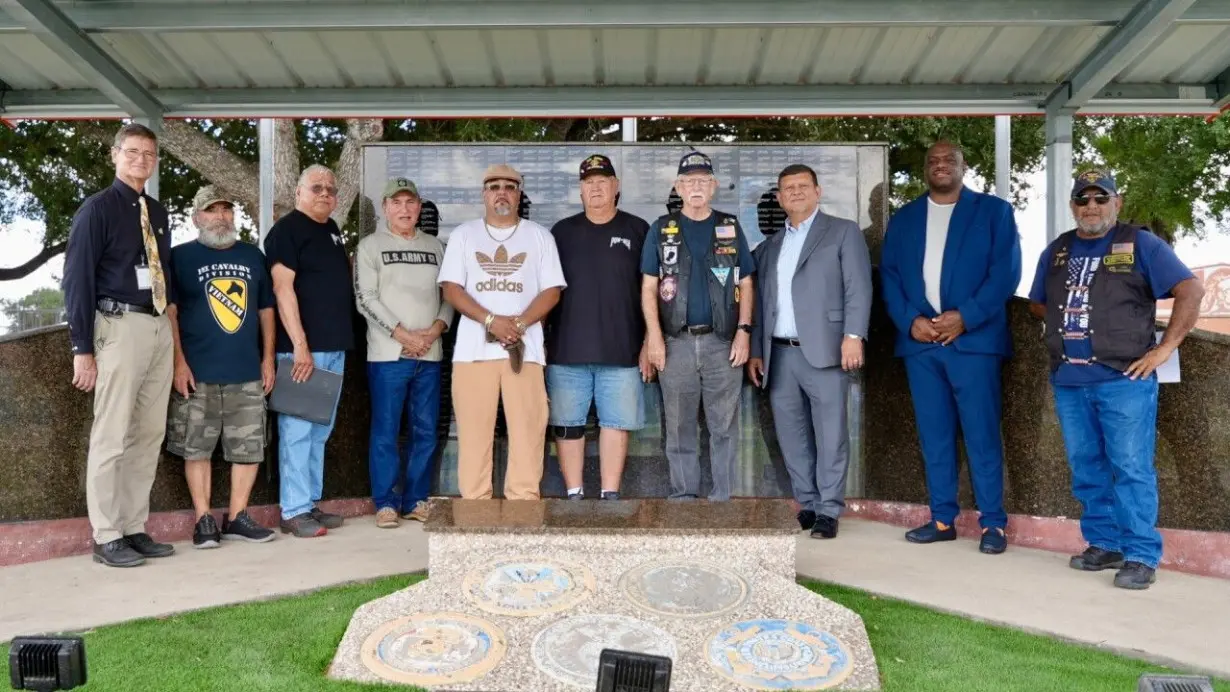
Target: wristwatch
{"type": "Point", "coordinates": [745, 328]}
{"type": "Point", "coordinates": [854, 336]}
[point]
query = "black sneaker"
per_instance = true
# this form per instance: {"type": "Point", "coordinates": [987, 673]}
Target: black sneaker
{"type": "Point", "coordinates": [807, 519]}
{"type": "Point", "coordinates": [1095, 559]}
{"type": "Point", "coordinates": [993, 541]}
{"type": "Point", "coordinates": [205, 534]}
{"type": "Point", "coordinates": [825, 527]}
{"type": "Point", "coordinates": [148, 547]}
{"type": "Point", "coordinates": [1135, 575]}
{"type": "Point", "coordinates": [576, 496]}
{"type": "Point", "coordinates": [244, 528]}
{"type": "Point", "coordinates": [329, 521]}
{"type": "Point", "coordinates": [610, 495]}
{"type": "Point", "coordinates": [117, 553]}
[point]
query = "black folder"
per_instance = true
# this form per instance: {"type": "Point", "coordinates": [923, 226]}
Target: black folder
{"type": "Point", "coordinates": [314, 400]}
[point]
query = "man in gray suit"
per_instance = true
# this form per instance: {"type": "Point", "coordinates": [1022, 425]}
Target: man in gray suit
{"type": "Point", "coordinates": [813, 290]}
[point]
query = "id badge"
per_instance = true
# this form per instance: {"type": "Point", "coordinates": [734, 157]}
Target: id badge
{"type": "Point", "coordinates": [143, 280]}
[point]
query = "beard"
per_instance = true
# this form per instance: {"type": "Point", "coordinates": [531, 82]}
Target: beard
{"type": "Point", "coordinates": [1095, 227]}
{"type": "Point", "coordinates": [218, 234]}
{"type": "Point", "coordinates": [503, 208]}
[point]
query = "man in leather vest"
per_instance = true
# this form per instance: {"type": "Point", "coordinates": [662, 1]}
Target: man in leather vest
{"type": "Point", "coordinates": [697, 298]}
{"type": "Point", "coordinates": [1096, 288]}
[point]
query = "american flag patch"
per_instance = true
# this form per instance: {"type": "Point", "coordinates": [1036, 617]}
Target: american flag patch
{"type": "Point", "coordinates": [1122, 248]}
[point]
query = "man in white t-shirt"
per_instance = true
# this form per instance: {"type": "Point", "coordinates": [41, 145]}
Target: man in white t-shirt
{"type": "Point", "coordinates": [502, 273]}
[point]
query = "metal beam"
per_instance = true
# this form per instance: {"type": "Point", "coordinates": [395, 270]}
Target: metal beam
{"type": "Point", "coordinates": [164, 15]}
{"type": "Point", "coordinates": [267, 149]}
{"type": "Point", "coordinates": [1058, 173]}
{"type": "Point", "coordinates": [1003, 156]}
{"type": "Point", "coordinates": [1122, 45]}
{"type": "Point", "coordinates": [1222, 86]}
{"type": "Point", "coordinates": [628, 129]}
{"type": "Point", "coordinates": [43, 19]}
{"type": "Point", "coordinates": [641, 101]}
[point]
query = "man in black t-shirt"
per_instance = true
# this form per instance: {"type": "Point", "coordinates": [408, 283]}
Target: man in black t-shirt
{"type": "Point", "coordinates": [311, 282]}
{"type": "Point", "coordinates": [596, 335]}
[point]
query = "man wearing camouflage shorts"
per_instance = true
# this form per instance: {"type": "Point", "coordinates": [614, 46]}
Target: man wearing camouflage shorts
{"type": "Point", "coordinates": [224, 365]}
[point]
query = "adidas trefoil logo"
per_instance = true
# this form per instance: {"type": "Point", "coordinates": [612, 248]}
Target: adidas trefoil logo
{"type": "Point", "coordinates": [500, 265]}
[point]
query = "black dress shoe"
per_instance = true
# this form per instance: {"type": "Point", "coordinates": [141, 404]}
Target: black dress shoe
{"type": "Point", "coordinates": [1095, 559]}
{"type": "Point", "coordinates": [931, 533]}
{"type": "Point", "coordinates": [807, 519]}
{"type": "Point", "coordinates": [993, 541]}
{"type": "Point", "coordinates": [826, 527]}
{"type": "Point", "coordinates": [1135, 575]}
{"type": "Point", "coordinates": [117, 553]}
{"type": "Point", "coordinates": [148, 547]}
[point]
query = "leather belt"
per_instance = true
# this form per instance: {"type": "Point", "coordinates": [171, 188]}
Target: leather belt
{"type": "Point", "coordinates": [108, 306]}
{"type": "Point", "coordinates": [779, 341]}
{"type": "Point", "coordinates": [698, 329]}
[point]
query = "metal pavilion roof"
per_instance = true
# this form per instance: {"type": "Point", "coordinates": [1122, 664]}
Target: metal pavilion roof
{"type": "Point", "coordinates": [444, 58]}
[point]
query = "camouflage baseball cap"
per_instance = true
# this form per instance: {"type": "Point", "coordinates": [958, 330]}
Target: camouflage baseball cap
{"type": "Point", "coordinates": [396, 185]}
{"type": "Point", "coordinates": [208, 195]}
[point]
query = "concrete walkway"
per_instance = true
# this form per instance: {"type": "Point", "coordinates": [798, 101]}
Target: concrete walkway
{"type": "Point", "coordinates": [1183, 621]}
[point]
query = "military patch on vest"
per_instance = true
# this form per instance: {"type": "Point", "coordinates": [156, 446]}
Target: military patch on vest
{"type": "Point", "coordinates": [722, 273]}
{"type": "Point", "coordinates": [1117, 259]}
{"type": "Point", "coordinates": [1119, 268]}
{"type": "Point", "coordinates": [1061, 258]}
{"type": "Point", "coordinates": [728, 221]}
{"type": "Point", "coordinates": [670, 255]}
{"type": "Point", "coordinates": [729, 250]}
{"type": "Point", "coordinates": [1123, 248]}
{"type": "Point", "coordinates": [726, 232]}
{"type": "Point", "coordinates": [671, 228]}
{"type": "Point", "coordinates": [667, 289]}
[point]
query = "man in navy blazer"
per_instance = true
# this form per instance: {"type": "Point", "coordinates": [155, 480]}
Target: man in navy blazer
{"type": "Point", "coordinates": [951, 261]}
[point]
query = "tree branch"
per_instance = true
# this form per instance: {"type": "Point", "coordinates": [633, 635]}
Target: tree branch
{"type": "Point", "coordinates": [233, 175]}
{"type": "Point", "coordinates": [285, 166]}
{"type": "Point", "coordinates": [24, 270]}
{"type": "Point", "coordinates": [358, 131]}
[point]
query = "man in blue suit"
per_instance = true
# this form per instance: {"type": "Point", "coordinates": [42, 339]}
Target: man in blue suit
{"type": "Point", "coordinates": [951, 262]}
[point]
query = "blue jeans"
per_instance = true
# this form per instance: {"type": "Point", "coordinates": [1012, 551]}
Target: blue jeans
{"type": "Point", "coordinates": [412, 386]}
{"type": "Point", "coordinates": [301, 449]}
{"type": "Point", "coordinates": [1110, 431]}
{"type": "Point", "coordinates": [617, 392]}
{"type": "Point", "coordinates": [950, 387]}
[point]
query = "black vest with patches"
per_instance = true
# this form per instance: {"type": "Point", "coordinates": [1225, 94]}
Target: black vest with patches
{"type": "Point", "coordinates": [675, 270]}
{"type": "Point", "coordinates": [1122, 308]}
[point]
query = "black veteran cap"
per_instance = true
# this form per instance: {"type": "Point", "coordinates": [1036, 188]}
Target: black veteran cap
{"type": "Point", "coordinates": [695, 162]}
{"type": "Point", "coordinates": [1094, 178]}
{"type": "Point", "coordinates": [597, 164]}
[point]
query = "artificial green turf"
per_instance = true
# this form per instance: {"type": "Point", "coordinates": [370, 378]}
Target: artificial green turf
{"type": "Point", "coordinates": [286, 645]}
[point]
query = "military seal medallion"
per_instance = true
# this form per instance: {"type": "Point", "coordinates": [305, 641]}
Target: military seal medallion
{"type": "Point", "coordinates": [527, 586]}
{"type": "Point", "coordinates": [434, 649]}
{"type": "Point", "coordinates": [779, 655]}
{"type": "Point", "coordinates": [682, 588]}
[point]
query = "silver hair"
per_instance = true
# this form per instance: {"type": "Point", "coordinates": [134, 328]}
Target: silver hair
{"type": "Point", "coordinates": [313, 170]}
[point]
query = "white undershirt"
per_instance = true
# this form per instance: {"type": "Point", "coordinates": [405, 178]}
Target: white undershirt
{"type": "Point", "coordinates": [938, 216]}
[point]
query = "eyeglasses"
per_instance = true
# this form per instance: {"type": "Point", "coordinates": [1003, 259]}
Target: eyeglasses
{"type": "Point", "coordinates": [318, 189]}
{"type": "Point", "coordinates": [500, 187]}
{"type": "Point", "coordinates": [134, 154]}
{"type": "Point", "coordinates": [700, 181]}
{"type": "Point", "coordinates": [1084, 200]}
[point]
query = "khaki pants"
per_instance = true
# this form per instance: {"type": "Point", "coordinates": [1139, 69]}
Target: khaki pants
{"type": "Point", "coordinates": [477, 389]}
{"type": "Point", "coordinates": [135, 359]}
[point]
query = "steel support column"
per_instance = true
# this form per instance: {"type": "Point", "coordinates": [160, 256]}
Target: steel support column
{"type": "Point", "coordinates": [628, 129]}
{"type": "Point", "coordinates": [1003, 156]}
{"type": "Point", "coordinates": [1058, 172]}
{"type": "Point", "coordinates": [266, 147]}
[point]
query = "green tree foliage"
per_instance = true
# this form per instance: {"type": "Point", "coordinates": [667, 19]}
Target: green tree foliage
{"type": "Point", "coordinates": [42, 307]}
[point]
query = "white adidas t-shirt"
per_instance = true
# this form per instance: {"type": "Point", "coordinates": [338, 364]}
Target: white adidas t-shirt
{"type": "Point", "coordinates": [504, 270]}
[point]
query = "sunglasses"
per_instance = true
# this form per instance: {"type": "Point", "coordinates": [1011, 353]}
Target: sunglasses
{"type": "Point", "coordinates": [318, 189]}
{"type": "Point", "coordinates": [501, 187]}
{"type": "Point", "coordinates": [1084, 200]}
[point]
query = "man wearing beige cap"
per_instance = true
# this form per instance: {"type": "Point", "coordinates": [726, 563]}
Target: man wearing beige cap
{"type": "Point", "coordinates": [223, 330]}
{"type": "Point", "coordinates": [502, 273]}
{"type": "Point", "coordinates": [396, 291]}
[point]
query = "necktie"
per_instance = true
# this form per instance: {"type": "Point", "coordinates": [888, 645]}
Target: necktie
{"type": "Point", "coordinates": [158, 285]}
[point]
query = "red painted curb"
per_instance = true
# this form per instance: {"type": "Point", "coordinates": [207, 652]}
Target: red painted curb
{"type": "Point", "coordinates": [1206, 553]}
{"type": "Point", "coordinates": [32, 541]}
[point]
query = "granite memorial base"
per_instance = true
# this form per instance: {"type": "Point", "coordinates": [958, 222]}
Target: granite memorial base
{"type": "Point", "coordinates": [525, 595]}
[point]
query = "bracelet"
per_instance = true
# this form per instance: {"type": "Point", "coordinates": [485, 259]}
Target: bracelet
{"type": "Point", "coordinates": [487, 322]}
{"type": "Point", "coordinates": [521, 326]}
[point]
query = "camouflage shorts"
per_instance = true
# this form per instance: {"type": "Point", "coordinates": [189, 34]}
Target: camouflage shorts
{"type": "Point", "coordinates": [236, 412]}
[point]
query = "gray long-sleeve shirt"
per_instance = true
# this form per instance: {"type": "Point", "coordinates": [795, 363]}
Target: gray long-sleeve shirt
{"type": "Point", "coordinates": [395, 283]}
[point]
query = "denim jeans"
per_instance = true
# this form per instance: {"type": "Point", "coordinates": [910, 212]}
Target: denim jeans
{"type": "Point", "coordinates": [1110, 431]}
{"type": "Point", "coordinates": [301, 448]}
{"type": "Point", "coordinates": [412, 386]}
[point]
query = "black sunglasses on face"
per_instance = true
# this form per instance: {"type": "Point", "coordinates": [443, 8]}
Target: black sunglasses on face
{"type": "Point", "coordinates": [1084, 200]}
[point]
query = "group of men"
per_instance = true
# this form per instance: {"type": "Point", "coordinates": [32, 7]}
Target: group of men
{"type": "Point", "coordinates": [554, 321]}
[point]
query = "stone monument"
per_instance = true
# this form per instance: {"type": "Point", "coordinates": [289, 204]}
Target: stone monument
{"type": "Point", "coordinates": [525, 595]}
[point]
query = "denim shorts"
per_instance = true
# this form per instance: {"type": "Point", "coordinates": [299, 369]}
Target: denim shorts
{"type": "Point", "coordinates": [618, 393]}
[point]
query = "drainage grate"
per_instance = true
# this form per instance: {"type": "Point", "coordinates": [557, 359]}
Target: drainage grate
{"type": "Point", "coordinates": [1174, 683]}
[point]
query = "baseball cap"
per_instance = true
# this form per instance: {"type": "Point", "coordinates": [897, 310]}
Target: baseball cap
{"type": "Point", "coordinates": [396, 185]}
{"type": "Point", "coordinates": [1094, 178]}
{"type": "Point", "coordinates": [501, 171]}
{"type": "Point", "coordinates": [695, 162]}
{"type": "Point", "coordinates": [597, 164]}
{"type": "Point", "coordinates": [208, 195]}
